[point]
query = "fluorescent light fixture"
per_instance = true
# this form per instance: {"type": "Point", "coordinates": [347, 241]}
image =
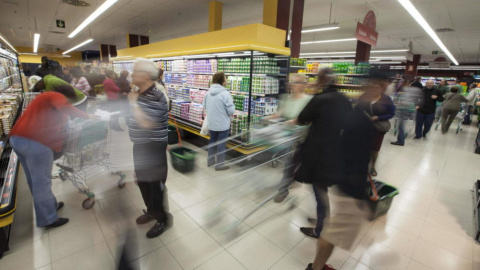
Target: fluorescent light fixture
{"type": "Point", "coordinates": [36, 39]}
{"type": "Point", "coordinates": [8, 43]}
{"type": "Point", "coordinates": [383, 51]}
{"type": "Point", "coordinates": [317, 28]}
{"type": "Point", "coordinates": [78, 46]}
{"type": "Point", "coordinates": [106, 5]}
{"type": "Point", "coordinates": [385, 62]}
{"type": "Point", "coordinates": [328, 41]}
{"type": "Point", "coordinates": [423, 23]}
{"type": "Point", "coordinates": [332, 56]}
{"type": "Point", "coordinates": [327, 53]}
{"type": "Point", "coordinates": [388, 57]}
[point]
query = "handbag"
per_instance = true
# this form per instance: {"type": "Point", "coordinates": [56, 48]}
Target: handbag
{"type": "Point", "coordinates": [204, 131]}
{"type": "Point", "coordinates": [382, 125]}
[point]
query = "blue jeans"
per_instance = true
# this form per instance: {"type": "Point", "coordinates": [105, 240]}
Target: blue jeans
{"type": "Point", "coordinates": [423, 121]}
{"type": "Point", "coordinates": [216, 153]}
{"type": "Point", "coordinates": [323, 206]}
{"type": "Point", "coordinates": [37, 162]}
{"type": "Point", "coordinates": [467, 119]}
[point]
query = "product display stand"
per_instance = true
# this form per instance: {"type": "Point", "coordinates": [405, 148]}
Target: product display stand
{"type": "Point", "coordinates": [11, 96]}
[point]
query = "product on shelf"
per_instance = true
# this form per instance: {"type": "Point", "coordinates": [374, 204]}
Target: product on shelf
{"type": "Point", "coordinates": [195, 113]}
{"type": "Point", "coordinates": [351, 93]}
{"type": "Point", "coordinates": [198, 95]}
{"type": "Point", "coordinates": [180, 79]}
{"type": "Point", "coordinates": [202, 66]}
{"type": "Point", "coordinates": [177, 107]}
{"type": "Point", "coordinates": [263, 65]}
{"type": "Point", "coordinates": [200, 81]}
{"type": "Point", "coordinates": [342, 79]}
{"type": "Point", "coordinates": [341, 67]}
{"type": "Point", "coordinates": [173, 65]}
{"type": "Point", "coordinates": [298, 62]}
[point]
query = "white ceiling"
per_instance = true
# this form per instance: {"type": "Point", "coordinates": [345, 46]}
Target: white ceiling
{"type": "Point", "coordinates": [167, 19]}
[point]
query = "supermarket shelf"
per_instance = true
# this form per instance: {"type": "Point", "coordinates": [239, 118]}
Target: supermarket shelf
{"type": "Point", "coordinates": [253, 94]}
{"type": "Point", "coordinates": [299, 67]}
{"type": "Point", "coordinates": [227, 73]}
{"type": "Point", "coordinates": [338, 74]}
{"type": "Point", "coordinates": [6, 77]}
{"type": "Point", "coordinates": [234, 144]}
{"type": "Point", "coordinates": [198, 87]}
{"type": "Point", "coordinates": [349, 85]}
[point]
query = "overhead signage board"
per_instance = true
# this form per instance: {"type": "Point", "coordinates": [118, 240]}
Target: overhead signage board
{"type": "Point", "coordinates": [438, 64]}
{"type": "Point", "coordinates": [366, 34]}
{"type": "Point", "coordinates": [409, 56]}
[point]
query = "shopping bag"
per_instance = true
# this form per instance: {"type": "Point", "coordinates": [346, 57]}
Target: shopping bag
{"type": "Point", "coordinates": [204, 131]}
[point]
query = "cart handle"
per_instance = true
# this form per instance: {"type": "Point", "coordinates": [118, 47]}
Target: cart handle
{"type": "Point", "coordinates": [375, 193]}
{"type": "Point", "coordinates": [176, 126]}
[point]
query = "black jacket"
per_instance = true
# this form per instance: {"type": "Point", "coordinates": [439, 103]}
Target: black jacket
{"type": "Point", "coordinates": [321, 158]}
{"type": "Point", "coordinates": [417, 84]}
{"type": "Point", "coordinates": [429, 105]}
{"type": "Point", "coordinates": [123, 84]}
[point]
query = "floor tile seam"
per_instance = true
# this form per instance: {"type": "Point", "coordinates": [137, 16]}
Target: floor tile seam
{"type": "Point", "coordinates": [171, 254]}
{"type": "Point", "coordinates": [264, 236]}
{"type": "Point", "coordinates": [446, 250]}
{"type": "Point", "coordinates": [394, 247]}
{"type": "Point", "coordinates": [451, 231]}
{"type": "Point", "coordinates": [83, 249]}
{"type": "Point", "coordinates": [403, 230]}
{"type": "Point", "coordinates": [281, 258]}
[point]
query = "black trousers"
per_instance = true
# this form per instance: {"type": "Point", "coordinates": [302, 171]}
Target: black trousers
{"type": "Point", "coordinates": [150, 161]}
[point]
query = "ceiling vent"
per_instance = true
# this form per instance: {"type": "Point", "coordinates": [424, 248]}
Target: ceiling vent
{"type": "Point", "coordinates": [56, 32]}
{"type": "Point", "coordinates": [444, 30]}
{"type": "Point", "coordinates": [77, 3]}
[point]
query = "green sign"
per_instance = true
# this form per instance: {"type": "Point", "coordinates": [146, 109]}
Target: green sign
{"type": "Point", "coordinates": [60, 24]}
{"type": "Point", "coordinates": [434, 52]}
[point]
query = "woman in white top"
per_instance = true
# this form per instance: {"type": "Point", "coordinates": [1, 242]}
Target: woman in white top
{"type": "Point", "coordinates": [472, 94]}
{"type": "Point", "coordinates": [79, 82]}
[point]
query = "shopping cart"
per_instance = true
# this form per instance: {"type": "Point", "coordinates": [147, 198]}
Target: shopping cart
{"type": "Point", "coordinates": [460, 116]}
{"type": "Point", "coordinates": [408, 117]}
{"type": "Point", "coordinates": [28, 98]}
{"type": "Point", "coordinates": [281, 138]}
{"type": "Point", "coordinates": [87, 154]}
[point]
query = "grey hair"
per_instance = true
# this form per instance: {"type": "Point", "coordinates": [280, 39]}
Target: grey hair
{"type": "Point", "coordinates": [148, 66]}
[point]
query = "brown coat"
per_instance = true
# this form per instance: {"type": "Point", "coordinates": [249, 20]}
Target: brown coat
{"type": "Point", "coordinates": [453, 101]}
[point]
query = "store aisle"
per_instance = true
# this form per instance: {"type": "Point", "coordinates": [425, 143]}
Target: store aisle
{"type": "Point", "coordinates": [429, 226]}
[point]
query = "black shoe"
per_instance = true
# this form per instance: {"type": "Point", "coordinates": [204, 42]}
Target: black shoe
{"type": "Point", "coordinates": [397, 143]}
{"type": "Point", "coordinates": [156, 230]}
{"type": "Point", "coordinates": [222, 168]}
{"type": "Point", "coordinates": [59, 222]}
{"type": "Point", "coordinates": [309, 266]}
{"type": "Point", "coordinates": [309, 232]}
{"type": "Point", "coordinates": [280, 197]}
{"type": "Point", "coordinates": [416, 138]}
{"type": "Point", "coordinates": [145, 218]}
{"type": "Point", "coordinates": [60, 205]}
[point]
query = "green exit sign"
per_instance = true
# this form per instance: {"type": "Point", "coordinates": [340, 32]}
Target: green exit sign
{"type": "Point", "coordinates": [60, 24]}
{"type": "Point", "coordinates": [434, 52]}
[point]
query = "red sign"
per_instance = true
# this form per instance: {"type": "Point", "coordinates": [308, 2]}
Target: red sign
{"type": "Point", "coordinates": [366, 34]}
{"type": "Point", "coordinates": [370, 20]}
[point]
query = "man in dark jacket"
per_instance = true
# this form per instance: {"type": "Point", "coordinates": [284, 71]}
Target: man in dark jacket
{"type": "Point", "coordinates": [124, 85]}
{"type": "Point", "coordinates": [417, 83]}
{"type": "Point", "coordinates": [426, 110]}
{"type": "Point", "coordinates": [45, 69]}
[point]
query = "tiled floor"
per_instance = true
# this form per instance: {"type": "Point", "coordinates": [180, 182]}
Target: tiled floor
{"type": "Point", "coordinates": [429, 226]}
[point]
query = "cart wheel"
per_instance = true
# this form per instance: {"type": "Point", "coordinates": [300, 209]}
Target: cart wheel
{"type": "Point", "coordinates": [274, 163]}
{"type": "Point", "coordinates": [63, 176]}
{"type": "Point", "coordinates": [88, 203]}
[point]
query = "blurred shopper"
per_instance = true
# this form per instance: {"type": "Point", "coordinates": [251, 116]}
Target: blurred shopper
{"type": "Point", "coordinates": [114, 106]}
{"type": "Point", "coordinates": [66, 75]}
{"type": "Point", "coordinates": [290, 106]}
{"type": "Point", "coordinates": [320, 155]}
{"type": "Point", "coordinates": [94, 78]}
{"type": "Point", "coordinates": [161, 86]}
{"type": "Point", "coordinates": [417, 83]}
{"type": "Point", "coordinates": [408, 97]}
{"type": "Point", "coordinates": [219, 106]}
{"type": "Point", "coordinates": [472, 94]}
{"type": "Point", "coordinates": [380, 108]}
{"type": "Point", "coordinates": [451, 107]}
{"type": "Point", "coordinates": [124, 85]}
{"type": "Point", "coordinates": [50, 83]}
{"type": "Point", "coordinates": [443, 89]}
{"type": "Point", "coordinates": [148, 131]}
{"type": "Point", "coordinates": [426, 110]}
{"type": "Point", "coordinates": [79, 81]}
{"type": "Point", "coordinates": [349, 188]}
{"type": "Point", "coordinates": [36, 137]}
{"type": "Point", "coordinates": [45, 69]}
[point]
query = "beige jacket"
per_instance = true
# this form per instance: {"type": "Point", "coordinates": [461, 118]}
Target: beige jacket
{"type": "Point", "coordinates": [453, 101]}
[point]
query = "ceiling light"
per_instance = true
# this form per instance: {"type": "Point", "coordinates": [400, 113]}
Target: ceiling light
{"type": "Point", "coordinates": [388, 57]}
{"type": "Point", "coordinates": [106, 5]}
{"type": "Point", "coordinates": [317, 28]}
{"type": "Point", "coordinates": [78, 46]}
{"type": "Point", "coordinates": [326, 53]}
{"type": "Point", "coordinates": [382, 51]}
{"type": "Point", "coordinates": [328, 41]}
{"type": "Point", "coordinates": [332, 56]}
{"type": "Point", "coordinates": [8, 43]}
{"type": "Point", "coordinates": [385, 62]}
{"type": "Point", "coordinates": [423, 23]}
{"type": "Point", "coordinates": [36, 39]}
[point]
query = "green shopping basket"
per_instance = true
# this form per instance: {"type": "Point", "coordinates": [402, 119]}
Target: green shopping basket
{"type": "Point", "coordinates": [183, 158]}
{"type": "Point", "coordinates": [381, 198]}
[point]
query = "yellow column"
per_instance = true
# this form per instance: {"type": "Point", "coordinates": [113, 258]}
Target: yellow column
{"type": "Point", "coordinates": [215, 16]}
{"type": "Point", "coordinates": [270, 12]}
{"type": "Point", "coordinates": [128, 40]}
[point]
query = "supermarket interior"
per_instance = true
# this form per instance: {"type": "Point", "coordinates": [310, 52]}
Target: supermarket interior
{"type": "Point", "coordinates": [240, 134]}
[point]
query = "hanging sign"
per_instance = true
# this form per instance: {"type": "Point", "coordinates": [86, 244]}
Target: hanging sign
{"type": "Point", "coordinates": [439, 64]}
{"type": "Point", "coordinates": [409, 56]}
{"type": "Point", "coordinates": [366, 34]}
{"type": "Point", "coordinates": [60, 24]}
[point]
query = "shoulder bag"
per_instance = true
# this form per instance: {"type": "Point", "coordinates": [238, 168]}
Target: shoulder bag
{"type": "Point", "coordinates": [381, 125]}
